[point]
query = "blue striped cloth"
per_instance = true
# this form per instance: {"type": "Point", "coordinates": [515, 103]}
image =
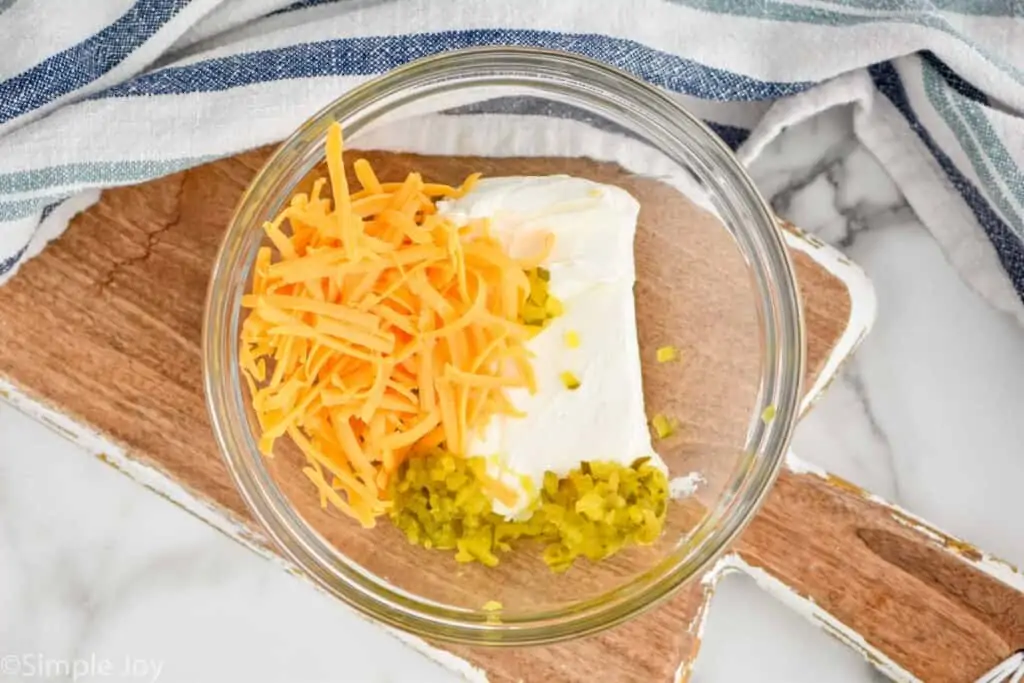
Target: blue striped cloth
{"type": "Point", "coordinates": [112, 92]}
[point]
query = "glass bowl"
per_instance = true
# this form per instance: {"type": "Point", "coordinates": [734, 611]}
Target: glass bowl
{"type": "Point", "coordinates": [713, 280]}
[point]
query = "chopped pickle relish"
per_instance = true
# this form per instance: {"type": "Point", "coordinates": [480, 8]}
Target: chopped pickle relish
{"type": "Point", "coordinates": [441, 501]}
{"type": "Point", "coordinates": [540, 305]}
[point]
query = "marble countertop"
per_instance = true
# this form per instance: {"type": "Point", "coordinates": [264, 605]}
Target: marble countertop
{"type": "Point", "coordinates": [94, 568]}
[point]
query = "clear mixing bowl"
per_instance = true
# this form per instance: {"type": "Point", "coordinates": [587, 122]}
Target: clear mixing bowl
{"type": "Point", "coordinates": [713, 279]}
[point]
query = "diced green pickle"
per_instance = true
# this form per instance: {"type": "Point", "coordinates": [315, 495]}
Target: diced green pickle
{"type": "Point", "coordinates": [595, 511]}
{"type": "Point", "coordinates": [540, 306]}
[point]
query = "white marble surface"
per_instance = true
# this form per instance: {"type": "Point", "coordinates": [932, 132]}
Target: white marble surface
{"type": "Point", "coordinates": [93, 567]}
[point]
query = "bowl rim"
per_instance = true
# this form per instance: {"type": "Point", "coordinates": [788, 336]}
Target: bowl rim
{"type": "Point", "coordinates": [780, 316]}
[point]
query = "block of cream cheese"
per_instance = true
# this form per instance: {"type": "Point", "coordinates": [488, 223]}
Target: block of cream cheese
{"type": "Point", "coordinates": [592, 273]}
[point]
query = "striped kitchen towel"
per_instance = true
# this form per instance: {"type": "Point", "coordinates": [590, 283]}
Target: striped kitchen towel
{"type": "Point", "coordinates": [98, 93]}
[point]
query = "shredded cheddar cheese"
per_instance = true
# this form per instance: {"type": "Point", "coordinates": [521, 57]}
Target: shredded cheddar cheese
{"type": "Point", "coordinates": [378, 330]}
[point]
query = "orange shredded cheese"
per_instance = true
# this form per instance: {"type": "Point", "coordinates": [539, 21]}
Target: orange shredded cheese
{"type": "Point", "coordinates": [378, 330]}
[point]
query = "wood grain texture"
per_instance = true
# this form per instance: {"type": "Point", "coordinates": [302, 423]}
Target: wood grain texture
{"type": "Point", "coordinates": [105, 325]}
{"type": "Point", "coordinates": [909, 591]}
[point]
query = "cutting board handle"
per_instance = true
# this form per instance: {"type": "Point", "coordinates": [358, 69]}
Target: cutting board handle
{"type": "Point", "coordinates": [915, 601]}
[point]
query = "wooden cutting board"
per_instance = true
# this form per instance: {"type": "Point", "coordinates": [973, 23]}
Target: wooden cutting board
{"type": "Point", "coordinates": [99, 337]}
